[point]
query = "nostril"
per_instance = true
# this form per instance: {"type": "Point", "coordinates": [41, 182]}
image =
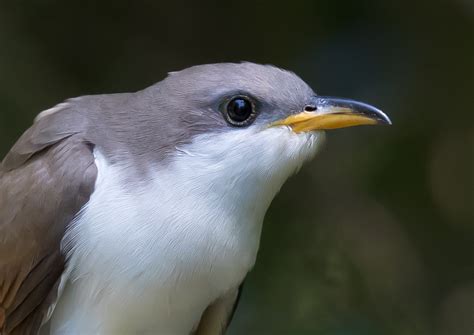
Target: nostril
{"type": "Point", "coordinates": [310, 108]}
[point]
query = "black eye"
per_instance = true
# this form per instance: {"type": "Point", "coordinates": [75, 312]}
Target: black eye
{"type": "Point", "coordinates": [240, 111]}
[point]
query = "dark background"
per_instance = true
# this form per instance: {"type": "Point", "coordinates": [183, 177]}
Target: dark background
{"type": "Point", "coordinates": [376, 235]}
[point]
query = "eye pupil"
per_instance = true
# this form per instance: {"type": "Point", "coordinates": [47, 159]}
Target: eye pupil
{"type": "Point", "coordinates": [239, 109]}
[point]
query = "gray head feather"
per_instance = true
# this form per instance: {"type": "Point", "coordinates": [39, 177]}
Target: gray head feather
{"type": "Point", "coordinates": [149, 124]}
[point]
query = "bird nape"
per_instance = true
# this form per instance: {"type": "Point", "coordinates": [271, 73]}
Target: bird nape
{"type": "Point", "coordinates": [141, 212]}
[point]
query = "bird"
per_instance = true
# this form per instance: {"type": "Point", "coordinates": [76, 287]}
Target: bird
{"type": "Point", "coordinates": [141, 213]}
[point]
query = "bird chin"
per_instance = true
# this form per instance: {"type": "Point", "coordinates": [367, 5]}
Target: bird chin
{"type": "Point", "coordinates": [290, 149]}
{"type": "Point", "coordinates": [309, 142]}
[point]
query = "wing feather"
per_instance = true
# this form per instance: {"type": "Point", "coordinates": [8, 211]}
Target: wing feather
{"type": "Point", "coordinates": [46, 178]}
{"type": "Point", "coordinates": [218, 316]}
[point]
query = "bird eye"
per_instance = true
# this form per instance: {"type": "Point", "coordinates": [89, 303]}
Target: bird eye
{"type": "Point", "coordinates": [240, 111]}
{"type": "Point", "coordinates": [310, 108]}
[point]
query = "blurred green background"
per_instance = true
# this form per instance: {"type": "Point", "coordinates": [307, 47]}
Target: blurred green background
{"type": "Point", "coordinates": [376, 235]}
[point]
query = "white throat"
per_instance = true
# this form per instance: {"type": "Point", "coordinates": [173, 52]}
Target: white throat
{"type": "Point", "coordinates": [151, 257]}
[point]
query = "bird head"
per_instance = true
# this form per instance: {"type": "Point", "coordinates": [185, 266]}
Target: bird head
{"type": "Point", "coordinates": [252, 112]}
{"type": "Point", "coordinates": [244, 127]}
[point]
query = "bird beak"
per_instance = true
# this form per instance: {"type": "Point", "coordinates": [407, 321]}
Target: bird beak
{"type": "Point", "coordinates": [332, 113]}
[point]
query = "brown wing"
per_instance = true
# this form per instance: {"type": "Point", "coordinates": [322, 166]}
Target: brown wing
{"type": "Point", "coordinates": [44, 181]}
{"type": "Point", "coordinates": [216, 318]}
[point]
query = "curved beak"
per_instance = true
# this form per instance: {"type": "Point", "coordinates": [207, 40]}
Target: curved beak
{"type": "Point", "coordinates": [332, 113]}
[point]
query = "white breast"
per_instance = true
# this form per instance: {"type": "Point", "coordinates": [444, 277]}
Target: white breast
{"type": "Point", "coordinates": [150, 257]}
